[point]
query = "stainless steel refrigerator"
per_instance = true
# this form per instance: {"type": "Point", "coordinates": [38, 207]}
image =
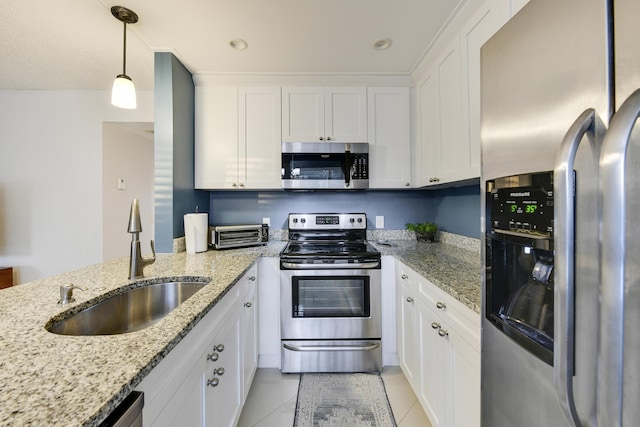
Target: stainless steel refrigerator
{"type": "Point", "coordinates": [561, 216]}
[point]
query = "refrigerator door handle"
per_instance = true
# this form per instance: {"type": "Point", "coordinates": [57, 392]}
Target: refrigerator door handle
{"type": "Point", "coordinates": [564, 298]}
{"type": "Point", "coordinates": [613, 189]}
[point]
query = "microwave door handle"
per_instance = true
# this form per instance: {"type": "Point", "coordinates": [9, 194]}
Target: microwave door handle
{"type": "Point", "coordinates": [613, 190]}
{"type": "Point", "coordinates": [347, 168]}
{"type": "Point", "coordinates": [564, 213]}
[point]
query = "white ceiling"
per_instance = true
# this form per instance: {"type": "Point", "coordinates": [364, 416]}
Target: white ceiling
{"type": "Point", "coordinates": [77, 44]}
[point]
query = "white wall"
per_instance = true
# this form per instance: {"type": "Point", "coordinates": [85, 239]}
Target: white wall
{"type": "Point", "coordinates": [127, 153]}
{"type": "Point", "coordinates": [51, 177]}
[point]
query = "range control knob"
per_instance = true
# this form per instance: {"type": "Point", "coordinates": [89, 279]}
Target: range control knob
{"type": "Point", "coordinates": [302, 220]}
{"type": "Point", "coordinates": [295, 220]}
{"type": "Point", "coordinates": [359, 220]}
{"type": "Point", "coordinates": [351, 220]}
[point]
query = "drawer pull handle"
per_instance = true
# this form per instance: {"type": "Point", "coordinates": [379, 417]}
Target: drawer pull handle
{"type": "Point", "coordinates": [435, 325]}
{"type": "Point", "coordinates": [213, 357]}
{"type": "Point", "coordinates": [443, 332]}
{"type": "Point", "coordinates": [247, 304]}
{"type": "Point", "coordinates": [441, 305]}
{"type": "Point", "coordinates": [252, 278]}
{"type": "Point", "coordinates": [404, 277]}
{"type": "Point", "coordinates": [409, 299]}
{"type": "Point", "coordinates": [213, 382]}
{"type": "Point", "coordinates": [219, 371]}
{"type": "Point", "coordinates": [219, 348]}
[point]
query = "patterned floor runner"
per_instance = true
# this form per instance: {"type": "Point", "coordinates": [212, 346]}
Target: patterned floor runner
{"type": "Point", "coordinates": [342, 400]}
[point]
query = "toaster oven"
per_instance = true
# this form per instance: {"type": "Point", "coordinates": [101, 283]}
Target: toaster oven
{"type": "Point", "coordinates": [238, 236]}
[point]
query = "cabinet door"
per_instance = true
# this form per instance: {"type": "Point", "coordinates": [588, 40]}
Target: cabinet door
{"type": "Point", "coordinates": [222, 399]}
{"type": "Point", "coordinates": [250, 337]}
{"type": "Point", "coordinates": [185, 407]}
{"type": "Point", "coordinates": [454, 142]}
{"type": "Point", "coordinates": [302, 114]}
{"type": "Point", "coordinates": [259, 135]}
{"type": "Point", "coordinates": [490, 17]}
{"type": "Point", "coordinates": [428, 160]}
{"type": "Point", "coordinates": [464, 383]}
{"type": "Point", "coordinates": [345, 117]}
{"type": "Point", "coordinates": [389, 137]}
{"type": "Point", "coordinates": [216, 137]}
{"type": "Point", "coordinates": [433, 364]}
{"type": "Point", "coordinates": [407, 333]}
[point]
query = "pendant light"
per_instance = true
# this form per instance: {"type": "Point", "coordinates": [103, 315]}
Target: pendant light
{"type": "Point", "coordinates": [123, 93]}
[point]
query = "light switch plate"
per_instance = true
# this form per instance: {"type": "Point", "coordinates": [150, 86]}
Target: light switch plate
{"type": "Point", "coordinates": [122, 184]}
{"type": "Point", "coordinates": [379, 221]}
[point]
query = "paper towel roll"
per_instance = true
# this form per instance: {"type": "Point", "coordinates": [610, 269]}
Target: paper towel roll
{"type": "Point", "coordinates": [196, 228]}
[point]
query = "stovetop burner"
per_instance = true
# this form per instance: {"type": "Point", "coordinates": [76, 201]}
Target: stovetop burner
{"type": "Point", "coordinates": [328, 236]}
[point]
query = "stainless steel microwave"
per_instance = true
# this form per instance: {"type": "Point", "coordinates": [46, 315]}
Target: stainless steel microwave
{"type": "Point", "coordinates": [325, 166]}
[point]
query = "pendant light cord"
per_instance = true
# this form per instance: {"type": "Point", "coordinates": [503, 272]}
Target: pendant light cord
{"type": "Point", "coordinates": [124, 50]}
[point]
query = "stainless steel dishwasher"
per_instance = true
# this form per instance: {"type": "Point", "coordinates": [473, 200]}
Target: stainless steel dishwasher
{"type": "Point", "coordinates": [128, 413]}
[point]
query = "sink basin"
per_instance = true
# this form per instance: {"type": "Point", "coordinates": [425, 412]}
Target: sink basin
{"type": "Point", "coordinates": [130, 311]}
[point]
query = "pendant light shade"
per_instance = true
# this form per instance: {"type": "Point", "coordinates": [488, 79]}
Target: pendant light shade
{"type": "Point", "coordinates": [123, 92]}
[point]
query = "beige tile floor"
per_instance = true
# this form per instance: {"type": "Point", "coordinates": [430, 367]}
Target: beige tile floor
{"type": "Point", "coordinates": [272, 400]}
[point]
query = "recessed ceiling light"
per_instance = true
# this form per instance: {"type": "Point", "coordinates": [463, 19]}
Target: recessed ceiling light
{"type": "Point", "coordinates": [382, 44]}
{"type": "Point", "coordinates": [238, 44]}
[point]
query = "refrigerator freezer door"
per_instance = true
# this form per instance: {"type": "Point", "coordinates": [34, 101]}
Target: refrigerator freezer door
{"type": "Point", "coordinates": [539, 74]}
{"type": "Point", "coordinates": [627, 81]}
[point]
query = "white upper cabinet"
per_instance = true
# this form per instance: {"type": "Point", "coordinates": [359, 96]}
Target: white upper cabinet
{"type": "Point", "coordinates": [319, 114]}
{"type": "Point", "coordinates": [237, 137]}
{"type": "Point", "coordinates": [389, 137]}
{"type": "Point", "coordinates": [448, 97]}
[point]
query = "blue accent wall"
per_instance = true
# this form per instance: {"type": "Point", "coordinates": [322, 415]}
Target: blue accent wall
{"type": "Point", "coordinates": [174, 110]}
{"type": "Point", "coordinates": [456, 210]}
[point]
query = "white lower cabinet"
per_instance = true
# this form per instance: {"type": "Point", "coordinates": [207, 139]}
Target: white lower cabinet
{"type": "Point", "coordinates": [205, 379]}
{"type": "Point", "coordinates": [439, 350]}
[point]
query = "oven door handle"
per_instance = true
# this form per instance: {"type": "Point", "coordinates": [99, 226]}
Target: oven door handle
{"type": "Point", "coordinates": [363, 265]}
{"type": "Point", "coordinates": [367, 347]}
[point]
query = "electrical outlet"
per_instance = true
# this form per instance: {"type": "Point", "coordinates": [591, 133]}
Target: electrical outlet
{"type": "Point", "coordinates": [266, 221]}
{"type": "Point", "coordinates": [379, 221]}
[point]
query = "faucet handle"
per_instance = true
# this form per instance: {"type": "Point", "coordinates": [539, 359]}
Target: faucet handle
{"type": "Point", "coordinates": [66, 293]}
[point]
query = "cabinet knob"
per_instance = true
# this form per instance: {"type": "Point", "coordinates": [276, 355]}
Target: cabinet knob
{"type": "Point", "coordinates": [234, 184]}
{"type": "Point", "coordinates": [407, 184]}
{"type": "Point", "coordinates": [435, 325]}
{"type": "Point", "coordinates": [213, 357]}
{"type": "Point", "coordinates": [219, 348]}
{"type": "Point", "coordinates": [213, 382]}
{"type": "Point", "coordinates": [404, 277]}
{"type": "Point", "coordinates": [252, 278]}
{"type": "Point", "coordinates": [409, 299]}
{"type": "Point", "coordinates": [247, 304]}
{"type": "Point", "coordinates": [321, 139]}
{"type": "Point", "coordinates": [443, 332]}
{"type": "Point", "coordinates": [328, 138]}
{"type": "Point", "coordinates": [241, 184]}
{"type": "Point", "coordinates": [434, 179]}
{"type": "Point", "coordinates": [218, 371]}
{"type": "Point", "coordinates": [441, 305]}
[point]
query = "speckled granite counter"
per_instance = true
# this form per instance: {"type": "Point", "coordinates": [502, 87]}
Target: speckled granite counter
{"type": "Point", "coordinates": [454, 270]}
{"type": "Point", "coordinates": [54, 380]}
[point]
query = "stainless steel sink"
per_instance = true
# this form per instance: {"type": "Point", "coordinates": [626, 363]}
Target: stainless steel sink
{"type": "Point", "coordinates": [130, 311]}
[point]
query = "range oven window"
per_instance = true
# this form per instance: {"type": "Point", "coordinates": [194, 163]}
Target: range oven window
{"type": "Point", "coordinates": [330, 296]}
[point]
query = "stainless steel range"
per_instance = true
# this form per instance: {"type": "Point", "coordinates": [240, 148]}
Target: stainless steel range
{"type": "Point", "coordinates": [330, 283]}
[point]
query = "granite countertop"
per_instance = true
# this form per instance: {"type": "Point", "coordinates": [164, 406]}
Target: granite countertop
{"type": "Point", "coordinates": [456, 271]}
{"type": "Point", "coordinates": [55, 380]}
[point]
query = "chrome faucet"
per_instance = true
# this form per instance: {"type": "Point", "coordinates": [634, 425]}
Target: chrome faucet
{"type": "Point", "coordinates": [136, 262]}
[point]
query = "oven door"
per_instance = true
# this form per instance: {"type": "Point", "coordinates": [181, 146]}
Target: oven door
{"type": "Point", "coordinates": [330, 304]}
